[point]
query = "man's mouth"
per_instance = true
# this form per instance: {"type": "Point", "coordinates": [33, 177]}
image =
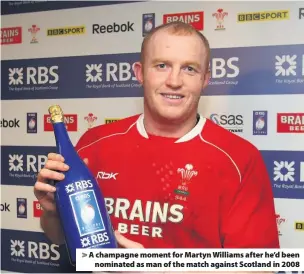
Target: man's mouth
{"type": "Point", "coordinates": [172, 96]}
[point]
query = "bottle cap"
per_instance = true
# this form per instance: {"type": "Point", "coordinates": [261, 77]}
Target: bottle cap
{"type": "Point", "coordinates": [56, 114]}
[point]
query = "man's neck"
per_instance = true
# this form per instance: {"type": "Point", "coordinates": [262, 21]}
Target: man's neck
{"type": "Point", "coordinates": [168, 128]}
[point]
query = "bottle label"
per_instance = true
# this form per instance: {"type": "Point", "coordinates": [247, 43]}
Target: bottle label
{"type": "Point", "coordinates": [86, 212]}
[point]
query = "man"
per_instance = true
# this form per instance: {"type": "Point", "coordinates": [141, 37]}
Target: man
{"type": "Point", "coordinates": [172, 178]}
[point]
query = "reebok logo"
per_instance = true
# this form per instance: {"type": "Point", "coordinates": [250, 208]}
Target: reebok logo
{"type": "Point", "coordinates": [5, 207]}
{"type": "Point", "coordinates": [98, 29]}
{"type": "Point", "coordinates": [106, 176]}
{"type": "Point", "coordinates": [9, 123]}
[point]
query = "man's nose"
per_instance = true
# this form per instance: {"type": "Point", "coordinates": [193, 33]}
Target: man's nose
{"type": "Point", "coordinates": [174, 79]}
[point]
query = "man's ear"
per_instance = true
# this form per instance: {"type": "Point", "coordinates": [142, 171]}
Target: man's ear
{"type": "Point", "coordinates": [138, 71]}
{"type": "Point", "coordinates": [206, 79]}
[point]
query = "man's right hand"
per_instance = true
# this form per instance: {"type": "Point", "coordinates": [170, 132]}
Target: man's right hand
{"type": "Point", "coordinates": [44, 191]}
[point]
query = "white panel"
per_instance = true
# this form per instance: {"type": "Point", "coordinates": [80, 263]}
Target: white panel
{"type": "Point", "coordinates": [245, 105]}
{"type": "Point", "coordinates": [235, 35]}
{"type": "Point", "coordinates": [290, 211]}
{"type": "Point", "coordinates": [101, 108]}
{"type": "Point", "coordinates": [9, 220]}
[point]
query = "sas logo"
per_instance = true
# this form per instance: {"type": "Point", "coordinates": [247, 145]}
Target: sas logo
{"type": "Point", "coordinates": [34, 250]}
{"type": "Point", "coordinates": [195, 19]}
{"type": "Point", "coordinates": [260, 123]}
{"type": "Point", "coordinates": [274, 15]}
{"type": "Point", "coordinates": [37, 209]}
{"type": "Point", "coordinates": [290, 122]}
{"type": "Point", "coordinates": [289, 69]}
{"type": "Point", "coordinates": [34, 30]}
{"type": "Point", "coordinates": [219, 16]}
{"type": "Point", "coordinates": [233, 123]}
{"type": "Point", "coordinates": [70, 121]}
{"type": "Point", "coordinates": [109, 74]}
{"type": "Point", "coordinates": [90, 118]}
{"type": "Point", "coordinates": [111, 120]}
{"type": "Point", "coordinates": [31, 122]}
{"type": "Point", "coordinates": [64, 31]}
{"type": "Point", "coordinates": [11, 35]}
{"type": "Point", "coordinates": [148, 23]}
{"type": "Point", "coordinates": [21, 208]}
{"type": "Point", "coordinates": [299, 226]}
{"type": "Point", "coordinates": [29, 78]}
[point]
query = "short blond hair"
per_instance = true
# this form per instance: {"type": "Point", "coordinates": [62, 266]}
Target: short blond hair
{"type": "Point", "coordinates": [176, 28]}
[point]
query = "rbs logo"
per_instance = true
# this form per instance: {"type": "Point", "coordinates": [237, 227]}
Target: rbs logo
{"type": "Point", "coordinates": [37, 250]}
{"type": "Point", "coordinates": [33, 75]}
{"type": "Point", "coordinates": [78, 186]}
{"type": "Point", "coordinates": [112, 72]}
{"type": "Point", "coordinates": [224, 68]}
{"type": "Point", "coordinates": [28, 163]}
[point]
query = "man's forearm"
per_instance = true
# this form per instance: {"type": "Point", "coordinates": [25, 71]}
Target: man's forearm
{"type": "Point", "coordinates": [51, 226]}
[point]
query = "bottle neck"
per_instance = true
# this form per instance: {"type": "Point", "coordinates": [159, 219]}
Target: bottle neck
{"type": "Point", "coordinates": [63, 141]}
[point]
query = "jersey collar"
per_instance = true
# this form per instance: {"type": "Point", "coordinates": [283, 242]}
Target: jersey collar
{"type": "Point", "coordinates": [189, 136]}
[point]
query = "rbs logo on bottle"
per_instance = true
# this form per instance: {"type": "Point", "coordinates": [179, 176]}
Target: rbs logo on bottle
{"type": "Point", "coordinates": [78, 186]}
{"type": "Point", "coordinates": [33, 75]}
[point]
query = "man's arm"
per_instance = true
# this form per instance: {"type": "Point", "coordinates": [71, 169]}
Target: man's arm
{"type": "Point", "coordinates": [50, 224]}
{"type": "Point", "coordinates": [251, 220]}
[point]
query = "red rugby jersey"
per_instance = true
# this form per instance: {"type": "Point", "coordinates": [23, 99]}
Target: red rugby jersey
{"type": "Point", "coordinates": [208, 189]}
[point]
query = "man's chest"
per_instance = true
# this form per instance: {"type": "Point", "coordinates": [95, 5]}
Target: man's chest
{"type": "Point", "coordinates": [157, 174]}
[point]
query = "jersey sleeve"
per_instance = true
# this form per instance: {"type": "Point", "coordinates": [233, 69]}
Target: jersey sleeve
{"type": "Point", "coordinates": [251, 221]}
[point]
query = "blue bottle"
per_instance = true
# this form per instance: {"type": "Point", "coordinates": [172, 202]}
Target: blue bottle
{"type": "Point", "coordinates": [79, 200]}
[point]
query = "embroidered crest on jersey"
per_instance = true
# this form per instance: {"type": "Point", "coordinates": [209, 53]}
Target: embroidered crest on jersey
{"type": "Point", "coordinates": [187, 174]}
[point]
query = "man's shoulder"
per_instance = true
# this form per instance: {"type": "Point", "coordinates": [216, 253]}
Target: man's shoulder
{"type": "Point", "coordinates": [118, 126]}
{"type": "Point", "coordinates": [115, 128]}
{"type": "Point", "coordinates": [238, 148]}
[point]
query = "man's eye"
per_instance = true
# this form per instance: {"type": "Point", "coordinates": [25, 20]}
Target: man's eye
{"type": "Point", "coordinates": [161, 65]}
{"type": "Point", "coordinates": [191, 69]}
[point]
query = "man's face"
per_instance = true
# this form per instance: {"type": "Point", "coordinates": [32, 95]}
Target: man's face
{"type": "Point", "coordinates": [173, 75]}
